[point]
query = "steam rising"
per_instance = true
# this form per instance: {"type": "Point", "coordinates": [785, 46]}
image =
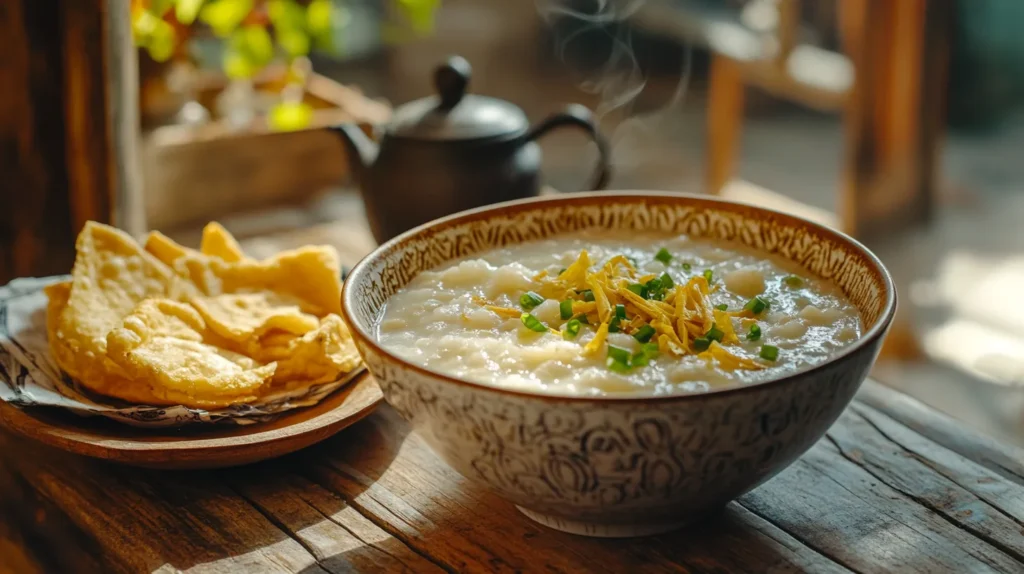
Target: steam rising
{"type": "Point", "coordinates": [618, 80]}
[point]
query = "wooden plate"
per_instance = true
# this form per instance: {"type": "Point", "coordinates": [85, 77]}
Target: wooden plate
{"type": "Point", "coordinates": [193, 447]}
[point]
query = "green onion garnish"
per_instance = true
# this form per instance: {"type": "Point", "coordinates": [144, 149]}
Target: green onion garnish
{"type": "Point", "coordinates": [666, 281]}
{"type": "Point", "coordinates": [588, 295]}
{"type": "Point", "coordinates": [709, 276]}
{"type": "Point", "coordinates": [529, 300]}
{"type": "Point", "coordinates": [582, 318]}
{"type": "Point", "coordinates": [701, 343]}
{"type": "Point", "coordinates": [639, 289]}
{"type": "Point", "coordinates": [613, 325]}
{"type": "Point", "coordinates": [769, 353]}
{"type": "Point", "coordinates": [686, 266]}
{"type": "Point", "coordinates": [620, 311]}
{"type": "Point", "coordinates": [644, 333]}
{"type": "Point", "coordinates": [793, 282]}
{"type": "Point", "coordinates": [532, 323]}
{"type": "Point", "coordinates": [754, 333]}
{"type": "Point", "coordinates": [714, 333]}
{"type": "Point", "coordinates": [644, 356]}
{"type": "Point", "coordinates": [722, 307]}
{"type": "Point", "coordinates": [619, 359]}
{"type": "Point", "coordinates": [663, 255]}
{"type": "Point", "coordinates": [756, 305]}
{"type": "Point", "coordinates": [562, 270]}
{"type": "Point", "coordinates": [572, 328]}
{"type": "Point", "coordinates": [565, 309]}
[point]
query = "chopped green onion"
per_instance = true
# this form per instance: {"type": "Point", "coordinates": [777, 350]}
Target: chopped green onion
{"type": "Point", "coordinates": [532, 323]}
{"type": "Point", "coordinates": [666, 281]}
{"type": "Point", "coordinates": [529, 300]}
{"type": "Point", "coordinates": [614, 324]}
{"type": "Point", "coordinates": [754, 334]}
{"type": "Point", "coordinates": [709, 276]}
{"type": "Point", "coordinates": [722, 307]}
{"type": "Point", "coordinates": [769, 353]}
{"type": "Point", "coordinates": [701, 343]}
{"type": "Point", "coordinates": [562, 270]}
{"type": "Point", "coordinates": [756, 305]}
{"type": "Point", "coordinates": [619, 359]}
{"type": "Point", "coordinates": [793, 282]}
{"type": "Point", "coordinates": [582, 318]}
{"type": "Point", "coordinates": [588, 295]}
{"type": "Point", "coordinates": [714, 333]}
{"type": "Point", "coordinates": [620, 311]}
{"type": "Point", "coordinates": [663, 255]}
{"type": "Point", "coordinates": [643, 357]}
{"type": "Point", "coordinates": [644, 333]}
{"type": "Point", "coordinates": [686, 266]}
{"type": "Point", "coordinates": [639, 289]}
{"type": "Point", "coordinates": [565, 309]}
{"type": "Point", "coordinates": [572, 328]}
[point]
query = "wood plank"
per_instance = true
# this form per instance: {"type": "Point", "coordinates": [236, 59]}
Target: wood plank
{"type": "Point", "coordinates": [967, 495]}
{"type": "Point", "coordinates": [1003, 459]}
{"type": "Point", "coordinates": [341, 539]}
{"type": "Point", "coordinates": [833, 505]}
{"type": "Point", "coordinates": [29, 529]}
{"type": "Point", "coordinates": [144, 520]}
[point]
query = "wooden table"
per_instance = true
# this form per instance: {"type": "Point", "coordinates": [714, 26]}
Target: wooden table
{"type": "Point", "coordinates": [894, 486]}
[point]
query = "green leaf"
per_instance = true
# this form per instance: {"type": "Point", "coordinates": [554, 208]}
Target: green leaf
{"type": "Point", "coordinates": [162, 41]}
{"type": "Point", "coordinates": [319, 17]}
{"type": "Point", "coordinates": [419, 14]}
{"type": "Point", "coordinates": [286, 15]}
{"type": "Point", "coordinates": [224, 16]}
{"type": "Point", "coordinates": [238, 66]}
{"type": "Point", "coordinates": [159, 7]}
{"type": "Point", "coordinates": [186, 11]}
{"type": "Point", "coordinates": [290, 116]}
{"type": "Point", "coordinates": [294, 42]}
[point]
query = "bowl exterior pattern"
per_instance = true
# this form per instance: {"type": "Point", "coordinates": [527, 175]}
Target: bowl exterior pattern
{"type": "Point", "coordinates": [603, 466]}
{"type": "Point", "coordinates": [615, 463]}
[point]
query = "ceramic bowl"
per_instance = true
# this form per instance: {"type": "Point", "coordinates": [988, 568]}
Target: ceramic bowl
{"type": "Point", "coordinates": [621, 466]}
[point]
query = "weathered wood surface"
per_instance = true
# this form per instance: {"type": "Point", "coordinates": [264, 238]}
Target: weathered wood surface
{"type": "Point", "coordinates": [894, 487]}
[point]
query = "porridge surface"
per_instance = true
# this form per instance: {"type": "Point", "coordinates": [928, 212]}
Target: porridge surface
{"type": "Point", "coordinates": [467, 318]}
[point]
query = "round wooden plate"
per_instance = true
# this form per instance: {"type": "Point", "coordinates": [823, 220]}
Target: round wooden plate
{"type": "Point", "coordinates": [195, 447]}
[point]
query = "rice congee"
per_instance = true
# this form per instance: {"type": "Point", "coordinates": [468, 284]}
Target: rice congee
{"type": "Point", "coordinates": [603, 314]}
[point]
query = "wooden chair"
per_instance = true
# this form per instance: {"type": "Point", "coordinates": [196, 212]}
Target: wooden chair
{"type": "Point", "coordinates": [887, 83]}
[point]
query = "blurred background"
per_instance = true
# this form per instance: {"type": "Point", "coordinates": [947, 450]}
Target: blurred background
{"type": "Point", "coordinates": [896, 120]}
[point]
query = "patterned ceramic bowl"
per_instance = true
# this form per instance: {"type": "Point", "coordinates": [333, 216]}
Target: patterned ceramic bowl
{"type": "Point", "coordinates": [621, 466]}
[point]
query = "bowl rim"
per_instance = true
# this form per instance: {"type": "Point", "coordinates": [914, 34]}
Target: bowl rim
{"type": "Point", "coordinates": [877, 331]}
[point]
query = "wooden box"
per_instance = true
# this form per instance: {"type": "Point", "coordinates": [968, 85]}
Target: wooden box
{"type": "Point", "coordinates": [197, 173]}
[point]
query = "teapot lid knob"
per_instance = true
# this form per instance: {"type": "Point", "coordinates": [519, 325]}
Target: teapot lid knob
{"type": "Point", "coordinates": [451, 81]}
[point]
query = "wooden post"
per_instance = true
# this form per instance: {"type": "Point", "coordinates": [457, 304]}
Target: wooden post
{"type": "Point", "coordinates": [894, 115]}
{"type": "Point", "coordinates": [725, 122]}
{"type": "Point", "coordinates": [57, 129]}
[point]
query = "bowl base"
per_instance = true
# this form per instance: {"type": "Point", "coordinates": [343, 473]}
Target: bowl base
{"type": "Point", "coordinates": [603, 529]}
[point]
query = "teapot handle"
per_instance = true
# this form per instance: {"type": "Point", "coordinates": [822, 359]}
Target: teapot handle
{"type": "Point", "coordinates": [581, 117]}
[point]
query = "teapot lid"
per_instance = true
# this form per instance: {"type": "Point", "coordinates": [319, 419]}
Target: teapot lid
{"type": "Point", "coordinates": [455, 115]}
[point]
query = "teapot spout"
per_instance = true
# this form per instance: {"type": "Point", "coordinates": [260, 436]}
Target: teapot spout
{"type": "Point", "coordinates": [361, 150]}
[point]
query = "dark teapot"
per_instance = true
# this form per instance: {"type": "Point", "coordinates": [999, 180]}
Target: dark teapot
{"type": "Point", "coordinates": [453, 151]}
